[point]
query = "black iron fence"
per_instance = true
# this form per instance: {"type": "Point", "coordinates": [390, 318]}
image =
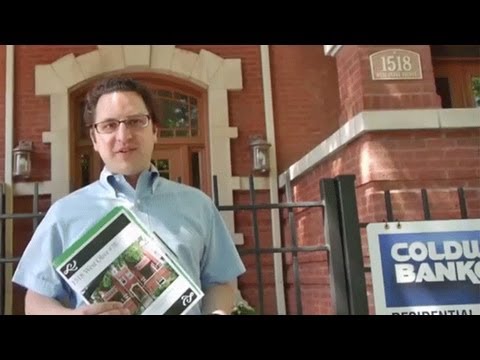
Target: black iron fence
{"type": "Point", "coordinates": [342, 242]}
{"type": "Point", "coordinates": [341, 233]}
{"type": "Point", "coordinates": [35, 216]}
{"type": "Point", "coordinates": [390, 216]}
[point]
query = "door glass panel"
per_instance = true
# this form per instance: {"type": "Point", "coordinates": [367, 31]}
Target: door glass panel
{"type": "Point", "coordinates": [166, 133]}
{"type": "Point", "coordinates": [476, 90]}
{"type": "Point", "coordinates": [164, 93]}
{"type": "Point", "coordinates": [193, 115]}
{"type": "Point", "coordinates": [163, 167]}
{"type": "Point", "coordinates": [181, 133]}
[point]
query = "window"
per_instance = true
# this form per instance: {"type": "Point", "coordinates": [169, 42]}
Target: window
{"type": "Point", "coordinates": [178, 113]}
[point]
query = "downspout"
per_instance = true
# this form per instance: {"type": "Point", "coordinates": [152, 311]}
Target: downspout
{"type": "Point", "coordinates": [9, 84]}
{"type": "Point", "coordinates": [273, 179]}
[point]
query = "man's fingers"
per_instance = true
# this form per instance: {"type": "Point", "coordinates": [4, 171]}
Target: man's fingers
{"type": "Point", "coordinates": [122, 311]}
{"type": "Point", "coordinates": [104, 308]}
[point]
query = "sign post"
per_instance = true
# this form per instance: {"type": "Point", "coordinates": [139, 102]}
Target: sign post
{"type": "Point", "coordinates": [425, 267]}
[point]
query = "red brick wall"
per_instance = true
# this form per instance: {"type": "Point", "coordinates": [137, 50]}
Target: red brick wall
{"type": "Point", "coordinates": [404, 162]}
{"type": "Point", "coordinates": [32, 112]}
{"type": "Point", "coordinates": [358, 92]}
{"type": "Point", "coordinates": [305, 98]}
{"type": "Point", "coordinates": [306, 101]}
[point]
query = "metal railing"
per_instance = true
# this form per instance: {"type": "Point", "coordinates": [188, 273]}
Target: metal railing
{"type": "Point", "coordinates": [389, 211]}
{"type": "Point", "coordinates": [35, 215]}
{"type": "Point", "coordinates": [342, 243]}
{"type": "Point", "coordinates": [341, 233]}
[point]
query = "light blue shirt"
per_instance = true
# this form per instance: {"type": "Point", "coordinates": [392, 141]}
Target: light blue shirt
{"type": "Point", "coordinates": [184, 217]}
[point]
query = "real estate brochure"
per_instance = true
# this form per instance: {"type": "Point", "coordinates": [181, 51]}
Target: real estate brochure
{"type": "Point", "coordinates": [119, 260]}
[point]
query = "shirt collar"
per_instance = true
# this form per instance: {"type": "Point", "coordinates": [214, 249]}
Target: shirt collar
{"type": "Point", "coordinates": [108, 179]}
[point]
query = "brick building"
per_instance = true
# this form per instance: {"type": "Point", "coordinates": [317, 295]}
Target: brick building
{"type": "Point", "coordinates": [399, 120]}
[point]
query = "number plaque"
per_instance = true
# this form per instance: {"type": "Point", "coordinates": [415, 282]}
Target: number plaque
{"type": "Point", "coordinates": [395, 64]}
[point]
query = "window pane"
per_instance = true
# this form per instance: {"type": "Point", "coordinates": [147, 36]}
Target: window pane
{"type": "Point", "coordinates": [181, 97]}
{"type": "Point", "coordinates": [166, 133]}
{"type": "Point", "coordinates": [194, 117]}
{"type": "Point", "coordinates": [181, 133]}
{"type": "Point", "coordinates": [179, 112]}
{"type": "Point", "coordinates": [163, 167]}
{"type": "Point", "coordinates": [476, 90]}
{"type": "Point", "coordinates": [164, 93]}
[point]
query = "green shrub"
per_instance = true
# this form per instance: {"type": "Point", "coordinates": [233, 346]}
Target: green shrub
{"type": "Point", "coordinates": [243, 309]}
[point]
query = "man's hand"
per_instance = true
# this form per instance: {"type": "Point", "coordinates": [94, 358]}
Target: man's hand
{"type": "Point", "coordinates": [219, 299]}
{"type": "Point", "coordinates": [36, 304]}
{"type": "Point", "coordinates": [106, 308]}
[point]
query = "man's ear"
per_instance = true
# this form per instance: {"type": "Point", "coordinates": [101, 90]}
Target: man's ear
{"type": "Point", "coordinates": [155, 133]}
{"type": "Point", "coordinates": [93, 138]}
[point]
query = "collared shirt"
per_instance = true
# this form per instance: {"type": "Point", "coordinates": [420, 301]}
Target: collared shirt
{"type": "Point", "coordinates": [183, 216]}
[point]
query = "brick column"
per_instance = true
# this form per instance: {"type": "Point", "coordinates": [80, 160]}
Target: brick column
{"type": "Point", "coordinates": [358, 92]}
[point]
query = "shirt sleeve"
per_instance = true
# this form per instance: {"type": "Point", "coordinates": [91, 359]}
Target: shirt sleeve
{"type": "Point", "coordinates": [35, 270]}
{"type": "Point", "coordinates": [221, 262]}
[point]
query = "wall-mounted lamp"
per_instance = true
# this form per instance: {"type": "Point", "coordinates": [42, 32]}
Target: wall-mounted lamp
{"type": "Point", "coordinates": [260, 154]}
{"type": "Point", "coordinates": [22, 162]}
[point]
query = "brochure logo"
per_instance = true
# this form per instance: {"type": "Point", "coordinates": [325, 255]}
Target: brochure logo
{"type": "Point", "coordinates": [72, 266]}
{"type": "Point", "coordinates": [182, 303]}
{"type": "Point", "coordinates": [187, 299]}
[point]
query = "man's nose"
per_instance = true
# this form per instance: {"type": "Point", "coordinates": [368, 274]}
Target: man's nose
{"type": "Point", "coordinates": [123, 132]}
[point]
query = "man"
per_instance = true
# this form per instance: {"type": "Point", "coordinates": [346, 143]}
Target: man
{"type": "Point", "coordinates": [123, 121]}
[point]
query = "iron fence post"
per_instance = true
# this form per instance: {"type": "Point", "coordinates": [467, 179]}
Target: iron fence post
{"type": "Point", "coordinates": [333, 239]}
{"type": "Point", "coordinates": [352, 245]}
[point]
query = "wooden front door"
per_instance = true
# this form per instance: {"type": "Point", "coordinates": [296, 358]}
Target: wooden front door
{"type": "Point", "coordinates": [458, 82]}
{"type": "Point", "coordinates": [173, 164]}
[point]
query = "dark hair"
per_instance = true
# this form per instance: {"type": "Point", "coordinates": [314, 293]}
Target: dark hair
{"type": "Point", "coordinates": [122, 84]}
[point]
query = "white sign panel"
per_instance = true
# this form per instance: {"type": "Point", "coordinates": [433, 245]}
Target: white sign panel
{"type": "Point", "coordinates": [396, 64]}
{"type": "Point", "coordinates": [426, 267]}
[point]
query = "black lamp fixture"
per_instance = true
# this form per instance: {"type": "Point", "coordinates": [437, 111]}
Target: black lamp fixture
{"type": "Point", "coordinates": [260, 154]}
{"type": "Point", "coordinates": [22, 161]}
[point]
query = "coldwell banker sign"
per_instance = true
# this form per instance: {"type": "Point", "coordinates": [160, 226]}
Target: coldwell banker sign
{"type": "Point", "coordinates": [426, 267]}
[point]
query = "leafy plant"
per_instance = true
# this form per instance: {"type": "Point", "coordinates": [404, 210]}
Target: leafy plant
{"type": "Point", "coordinates": [243, 308]}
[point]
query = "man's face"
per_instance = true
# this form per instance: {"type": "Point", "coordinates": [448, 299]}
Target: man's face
{"type": "Point", "coordinates": [126, 151]}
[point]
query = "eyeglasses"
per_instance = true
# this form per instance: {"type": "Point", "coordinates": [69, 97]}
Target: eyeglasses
{"type": "Point", "coordinates": [134, 122]}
